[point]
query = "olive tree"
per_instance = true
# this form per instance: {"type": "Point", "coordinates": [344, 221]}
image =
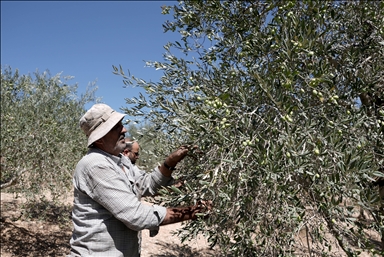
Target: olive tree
{"type": "Point", "coordinates": [285, 101]}
{"type": "Point", "coordinates": [40, 136]}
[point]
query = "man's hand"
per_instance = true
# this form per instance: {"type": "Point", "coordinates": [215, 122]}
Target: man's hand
{"type": "Point", "coordinates": [174, 215]}
{"type": "Point", "coordinates": [203, 208]}
{"type": "Point", "coordinates": [174, 158]}
{"type": "Point", "coordinates": [177, 156]}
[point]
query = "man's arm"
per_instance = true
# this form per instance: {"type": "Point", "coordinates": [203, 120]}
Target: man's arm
{"type": "Point", "coordinates": [175, 215]}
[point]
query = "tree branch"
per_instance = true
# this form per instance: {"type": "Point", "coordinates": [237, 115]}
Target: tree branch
{"type": "Point", "coordinates": [13, 180]}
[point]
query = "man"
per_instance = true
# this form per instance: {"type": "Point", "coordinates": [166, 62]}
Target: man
{"type": "Point", "coordinates": [107, 212]}
{"type": "Point", "coordinates": [132, 150]}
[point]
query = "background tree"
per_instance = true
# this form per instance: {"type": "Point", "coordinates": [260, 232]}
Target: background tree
{"type": "Point", "coordinates": [40, 137]}
{"type": "Point", "coordinates": [285, 100]}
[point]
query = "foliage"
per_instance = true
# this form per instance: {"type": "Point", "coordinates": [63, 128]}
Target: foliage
{"type": "Point", "coordinates": [285, 100]}
{"type": "Point", "coordinates": [40, 136]}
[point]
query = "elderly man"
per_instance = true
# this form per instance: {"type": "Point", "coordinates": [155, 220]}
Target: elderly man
{"type": "Point", "coordinates": [107, 212]}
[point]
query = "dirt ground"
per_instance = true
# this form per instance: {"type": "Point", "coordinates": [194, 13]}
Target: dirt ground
{"type": "Point", "coordinates": [37, 238]}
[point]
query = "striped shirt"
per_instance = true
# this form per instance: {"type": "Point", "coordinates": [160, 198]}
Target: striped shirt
{"type": "Point", "coordinates": [107, 212]}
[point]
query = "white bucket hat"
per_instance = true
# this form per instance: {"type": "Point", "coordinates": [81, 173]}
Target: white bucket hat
{"type": "Point", "coordinates": [98, 121]}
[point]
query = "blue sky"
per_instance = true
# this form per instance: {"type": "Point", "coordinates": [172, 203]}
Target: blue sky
{"type": "Point", "coordinates": [84, 39]}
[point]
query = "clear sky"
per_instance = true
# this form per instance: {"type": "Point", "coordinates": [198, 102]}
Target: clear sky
{"type": "Point", "coordinates": [84, 39]}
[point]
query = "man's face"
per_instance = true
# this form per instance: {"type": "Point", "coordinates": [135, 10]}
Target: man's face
{"type": "Point", "coordinates": [134, 153]}
{"type": "Point", "coordinates": [114, 141]}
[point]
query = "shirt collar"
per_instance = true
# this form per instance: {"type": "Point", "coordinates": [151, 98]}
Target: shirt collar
{"type": "Point", "coordinates": [116, 159]}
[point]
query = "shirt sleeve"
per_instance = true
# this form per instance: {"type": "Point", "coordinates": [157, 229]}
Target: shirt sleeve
{"type": "Point", "coordinates": [150, 183]}
{"type": "Point", "coordinates": [109, 187]}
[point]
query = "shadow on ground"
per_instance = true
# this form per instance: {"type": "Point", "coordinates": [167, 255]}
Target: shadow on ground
{"type": "Point", "coordinates": [18, 241]}
{"type": "Point", "coordinates": [172, 250]}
